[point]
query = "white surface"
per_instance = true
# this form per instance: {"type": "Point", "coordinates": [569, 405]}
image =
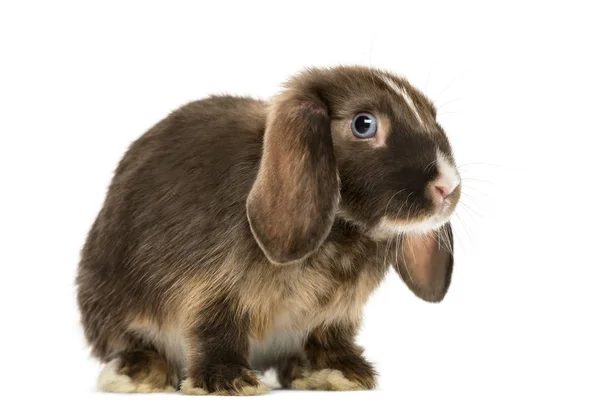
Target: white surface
{"type": "Point", "coordinates": [517, 91]}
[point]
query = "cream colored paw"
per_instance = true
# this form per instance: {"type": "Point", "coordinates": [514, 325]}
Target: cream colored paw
{"type": "Point", "coordinates": [110, 380]}
{"type": "Point", "coordinates": [146, 388]}
{"type": "Point", "coordinates": [326, 379]}
{"type": "Point", "coordinates": [188, 388]}
{"type": "Point", "coordinates": [261, 389]}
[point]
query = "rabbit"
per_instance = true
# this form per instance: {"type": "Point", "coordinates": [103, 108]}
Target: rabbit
{"type": "Point", "coordinates": [240, 235]}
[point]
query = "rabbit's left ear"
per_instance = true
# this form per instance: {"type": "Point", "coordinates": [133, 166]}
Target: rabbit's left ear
{"type": "Point", "coordinates": [292, 204]}
{"type": "Point", "coordinates": [425, 262]}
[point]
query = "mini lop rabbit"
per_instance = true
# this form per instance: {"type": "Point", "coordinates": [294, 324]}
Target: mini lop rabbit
{"type": "Point", "coordinates": [240, 235]}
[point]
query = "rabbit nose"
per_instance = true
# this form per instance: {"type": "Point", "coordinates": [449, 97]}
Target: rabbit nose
{"type": "Point", "coordinates": [446, 182]}
{"type": "Point", "coordinates": [442, 188]}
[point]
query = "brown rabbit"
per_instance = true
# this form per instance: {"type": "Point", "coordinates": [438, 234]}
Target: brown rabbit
{"type": "Point", "coordinates": [240, 235]}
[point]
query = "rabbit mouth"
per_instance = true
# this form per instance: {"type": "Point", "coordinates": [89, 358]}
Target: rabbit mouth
{"type": "Point", "coordinates": [421, 227]}
{"type": "Point", "coordinates": [445, 209]}
{"type": "Point", "coordinates": [440, 215]}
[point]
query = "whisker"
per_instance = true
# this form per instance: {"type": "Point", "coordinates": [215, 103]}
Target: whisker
{"type": "Point", "coordinates": [430, 164]}
{"type": "Point", "coordinates": [389, 201]}
{"type": "Point", "coordinates": [446, 241]}
{"type": "Point", "coordinates": [438, 236]}
{"type": "Point", "coordinates": [399, 247]}
{"type": "Point", "coordinates": [404, 260]}
{"type": "Point", "coordinates": [445, 88]}
{"type": "Point", "coordinates": [408, 217]}
{"type": "Point", "coordinates": [469, 208]}
{"type": "Point", "coordinates": [476, 179]}
{"type": "Point", "coordinates": [447, 103]}
{"type": "Point", "coordinates": [397, 237]}
{"type": "Point", "coordinates": [469, 197]}
{"type": "Point", "coordinates": [472, 189]}
{"type": "Point", "coordinates": [397, 213]}
{"type": "Point", "coordinates": [427, 80]}
{"type": "Point", "coordinates": [465, 228]}
{"type": "Point", "coordinates": [479, 163]}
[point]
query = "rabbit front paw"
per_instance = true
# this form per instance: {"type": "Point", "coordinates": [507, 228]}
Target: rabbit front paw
{"type": "Point", "coordinates": [327, 379]}
{"type": "Point", "coordinates": [225, 379]}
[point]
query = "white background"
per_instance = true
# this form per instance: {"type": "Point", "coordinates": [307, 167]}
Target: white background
{"type": "Point", "coordinates": [517, 88]}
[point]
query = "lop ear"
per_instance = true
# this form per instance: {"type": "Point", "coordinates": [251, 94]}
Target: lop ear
{"type": "Point", "coordinates": [425, 263]}
{"type": "Point", "coordinates": [292, 203]}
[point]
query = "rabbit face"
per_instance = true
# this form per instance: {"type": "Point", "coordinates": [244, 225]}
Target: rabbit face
{"type": "Point", "coordinates": [351, 142]}
{"type": "Point", "coordinates": [396, 169]}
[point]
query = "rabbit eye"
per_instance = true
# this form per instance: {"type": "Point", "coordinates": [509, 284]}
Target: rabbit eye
{"type": "Point", "coordinates": [364, 125]}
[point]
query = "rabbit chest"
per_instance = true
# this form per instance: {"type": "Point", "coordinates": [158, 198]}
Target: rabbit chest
{"type": "Point", "coordinates": [285, 305]}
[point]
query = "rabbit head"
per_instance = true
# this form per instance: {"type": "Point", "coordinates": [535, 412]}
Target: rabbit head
{"type": "Point", "coordinates": [363, 145]}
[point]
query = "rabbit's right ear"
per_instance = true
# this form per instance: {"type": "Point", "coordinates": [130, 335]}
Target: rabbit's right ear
{"type": "Point", "coordinates": [425, 262]}
{"type": "Point", "coordinates": [293, 201]}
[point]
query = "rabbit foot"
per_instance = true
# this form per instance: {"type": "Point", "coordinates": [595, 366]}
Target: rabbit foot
{"type": "Point", "coordinates": [113, 379]}
{"type": "Point", "coordinates": [326, 379]}
{"type": "Point", "coordinates": [225, 380]}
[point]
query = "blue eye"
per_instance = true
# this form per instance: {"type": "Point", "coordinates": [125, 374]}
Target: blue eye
{"type": "Point", "coordinates": [364, 125]}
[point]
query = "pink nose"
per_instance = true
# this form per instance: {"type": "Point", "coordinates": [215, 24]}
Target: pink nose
{"type": "Point", "coordinates": [442, 190]}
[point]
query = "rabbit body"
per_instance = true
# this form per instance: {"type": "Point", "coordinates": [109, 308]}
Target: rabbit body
{"type": "Point", "coordinates": [176, 288]}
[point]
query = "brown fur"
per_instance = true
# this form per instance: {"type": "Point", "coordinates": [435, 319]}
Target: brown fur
{"type": "Point", "coordinates": [236, 223]}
